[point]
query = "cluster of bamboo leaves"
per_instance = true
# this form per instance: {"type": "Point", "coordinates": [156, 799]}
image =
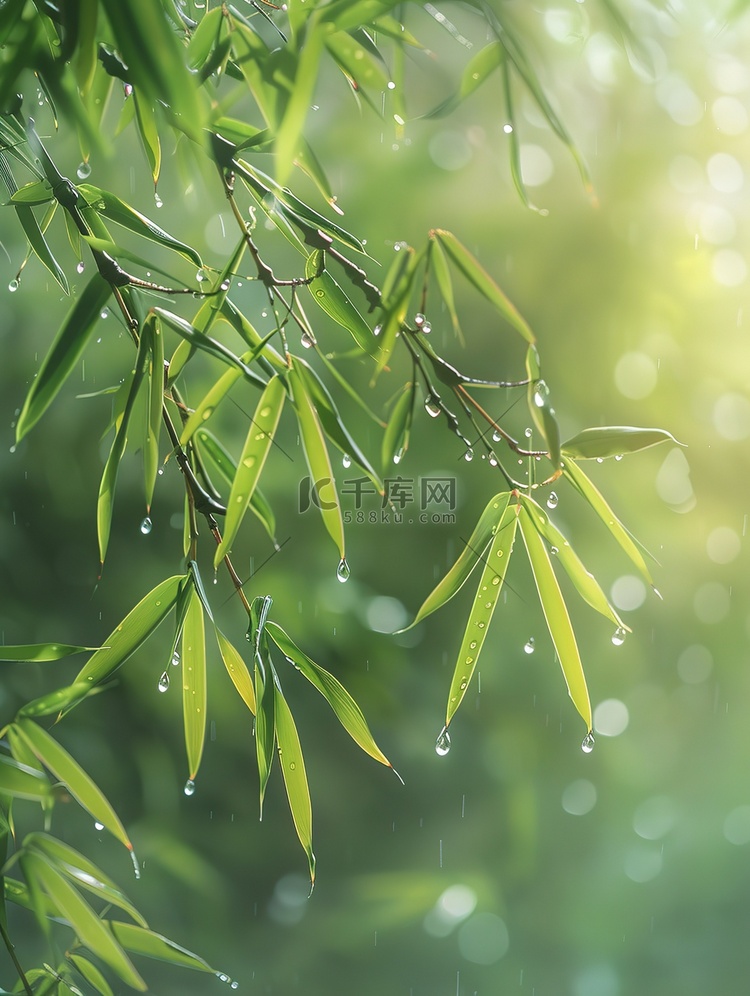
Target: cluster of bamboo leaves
{"type": "Point", "coordinates": [234, 83]}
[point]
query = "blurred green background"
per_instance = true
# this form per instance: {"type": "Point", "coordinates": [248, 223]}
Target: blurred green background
{"type": "Point", "coordinates": [516, 863]}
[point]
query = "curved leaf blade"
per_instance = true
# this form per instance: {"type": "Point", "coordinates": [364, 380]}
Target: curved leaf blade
{"type": "Point", "coordinates": [37, 652]}
{"type": "Point", "coordinates": [294, 774]}
{"type": "Point", "coordinates": [330, 298]}
{"type": "Point", "coordinates": [194, 690]}
{"type": "Point", "coordinates": [237, 670]}
{"type": "Point", "coordinates": [541, 410]}
{"type": "Point", "coordinates": [396, 437]}
{"type": "Point", "coordinates": [477, 70]}
{"type": "Point", "coordinates": [148, 943]}
{"type": "Point", "coordinates": [20, 781]}
{"type": "Point", "coordinates": [614, 440]}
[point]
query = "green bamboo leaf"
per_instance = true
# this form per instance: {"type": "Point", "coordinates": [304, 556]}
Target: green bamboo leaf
{"type": "Point", "coordinates": [36, 192]}
{"type": "Point", "coordinates": [472, 553]}
{"type": "Point", "coordinates": [212, 307]}
{"type": "Point", "coordinates": [226, 466]}
{"type": "Point", "coordinates": [483, 282]}
{"type": "Point", "coordinates": [482, 65]}
{"type": "Point", "coordinates": [213, 397]}
{"type": "Point", "coordinates": [264, 720]}
{"type": "Point", "coordinates": [288, 135]}
{"type": "Point", "coordinates": [586, 584]}
{"type": "Point", "coordinates": [396, 436]}
{"type": "Point", "coordinates": [152, 328]}
{"type": "Point", "coordinates": [82, 872]}
{"type": "Point", "coordinates": [396, 295]}
{"type": "Point", "coordinates": [91, 974]}
{"type": "Point", "coordinates": [90, 930]}
{"type": "Point", "coordinates": [205, 37]}
{"type": "Point", "coordinates": [588, 490]}
{"type": "Point", "coordinates": [614, 440]}
{"type": "Point", "coordinates": [106, 499]}
{"type": "Point", "coordinates": [111, 207]}
{"type": "Point", "coordinates": [135, 628]}
{"type": "Point", "coordinates": [542, 412]}
{"type": "Point", "coordinates": [148, 943]}
{"type": "Point", "coordinates": [119, 252]}
{"type": "Point", "coordinates": [348, 15]}
{"type": "Point", "coordinates": [35, 235]}
{"type": "Point", "coordinates": [332, 423]}
{"type": "Point", "coordinates": [357, 62]}
{"type": "Point", "coordinates": [556, 615]}
{"type": "Point", "coordinates": [64, 353]}
{"type": "Point", "coordinates": [194, 683]}
{"type": "Point", "coordinates": [20, 781]}
{"type": "Point", "coordinates": [85, 61]}
{"type": "Point", "coordinates": [295, 777]}
{"type": "Point", "coordinates": [439, 266]}
{"type": "Point", "coordinates": [319, 464]}
{"type": "Point", "coordinates": [65, 768]}
{"type": "Point", "coordinates": [239, 322]}
{"type": "Point", "coordinates": [41, 652]}
{"type": "Point", "coordinates": [237, 670]}
{"type": "Point", "coordinates": [18, 892]}
{"type": "Point", "coordinates": [252, 460]}
{"type": "Point", "coordinates": [346, 709]}
{"type": "Point", "coordinates": [55, 702]}
{"type": "Point", "coordinates": [483, 607]}
{"type": "Point", "coordinates": [208, 345]}
{"type": "Point", "coordinates": [331, 299]}
{"type": "Point", "coordinates": [146, 121]}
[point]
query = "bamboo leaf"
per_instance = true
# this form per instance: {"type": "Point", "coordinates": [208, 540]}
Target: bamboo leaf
{"type": "Point", "coordinates": [295, 777]}
{"type": "Point", "coordinates": [318, 462]}
{"type": "Point", "coordinates": [114, 209]}
{"type": "Point", "coordinates": [482, 65]}
{"type": "Point", "coordinates": [90, 930]}
{"type": "Point", "coordinates": [556, 614]}
{"type": "Point", "coordinates": [264, 721]}
{"type": "Point", "coordinates": [64, 353]}
{"type": "Point", "coordinates": [152, 327]}
{"type": "Point", "coordinates": [91, 974]}
{"type": "Point", "coordinates": [135, 628]}
{"type": "Point", "coordinates": [148, 943]}
{"type": "Point", "coordinates": [55, 702]}
{"type": "Point", "coordinates": [213, 397]}
{"type": "Point", "coordinates": [331, 299]}
{"type": "Point", "coordinates": [396, 436]}
{"type": "Point", "coordinates": [194, 682]}
{"type": "Point", "coordinates": [483, 607]}
{"type": "Point", "coordinates": [20, 781]}
{"type": "Point", "coordinates": [258, 443]}
{"type": "Point", "coordinates": [146, 121]}
{"type": "Point", "coordinates": [541, 410]}
{"type": "Point", "coordinates": [483, 282]}
{"type": "Point", "coordinates": [586, 584]}
{"type": "Point", "coordinates": [472, 553]}
{"type": "Point", "coordinates": [346, 709]}
{"type": "Point", "coordinates": [237, 670]}
{"type": "Point", "coordinates": [588, 490]}
{"type": "Point", "coordinates": [443, 276]}
{"type": "Point", "coordinates": [65, 768]}
{"type": "Point", "coordinates": [41, 652]}
{"type": "Point", "coordinates": [36, 192]}
{"type": "Point", "coordinates": [613, 440]}
{"type": "Point", "coordinates": [289, 131]}
{"type": "Point", "coordinates": [396, 294]}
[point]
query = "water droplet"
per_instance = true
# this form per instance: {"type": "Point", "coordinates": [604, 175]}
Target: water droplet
{"type": "Point", "coordinates": [225, 284]}
{"type": "Point", "coordinates": [189, 787]}
{"type": "Point", "coordinates": [541, 393]}
{"type": "Point", "coordinates": [552, 500]}
{"type": "Point", "coordinates": [419, 320]}
{"type": "Point", "coordinates": [84, 171]}
{"type": "Point", "coordinates": [342, 571]}
{"type": "Point", "coordinates": [346, 461]}
{"type": "Point", "coordinates": [618, 457]}
{"type": "Point", "coordinates": [13, 448]}
{"type": "Point", "coordinates": [163, 682]}
{"type": "Point", "coordinates": [528, 647]}
{"type": "Point", "coordinates": [496, 437]}
{"type": "Point", "coordinates": [136, 867]}
{"type": "Point", "coordinates": [175, 659]}
{"type": "Point", "coordinates": [492, 460]}
{"type": "Point", "coordinates": [157, 200]}
{"type": "Point", "coordinates": [426, 328]}
{"type": "Point", "coordinates": [587, 744]}
{"type": "Point", "coordinates": [469, 455]}
{"type": "Point", "coordinates": [443, 742]}
{"type": "Point", "coordinates": [398, 457]}
{"type": "Point", "coordinates": [528, 432]}
{"type": "Point", "coordinates": [508, 129]}
{"type": "Point", "coordinates": [146, 526]}
{"type": "Point", "coordinates": [13, 286]}
{"type": "Point", "coordinates": [618, 637]}
{"type": "Point", "coordinates": [104, 313]}
{"type": "Point", "coordinates": [80, 267]}
{"type": "Point", "coordinates": [201, 275]}
{"type": "Point", "coordinates": [98, 825]}
{"type": "Point", "coordinates": [432, 407]}
{"type": "Point", "coordinates": [234, 985]}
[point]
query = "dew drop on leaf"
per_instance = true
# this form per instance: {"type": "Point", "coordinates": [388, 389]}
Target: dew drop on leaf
{"type": "Point", "coordinates": [146, 526]}
{"type": "Point", "coordinates": [552, 500]}
{"type": "Point", "coordinates": [98, 825]}
{"type": "Point", "coordinates": [346, 461]}
{"type": "Point", "coordinates": [104, 313]}
{"type": "Point", "coordinates": [587, 744]}
{"type": "Point", "coordinates": [496, 437]}
{"type": "Point", "coordinates": [618, 637]}
{"type": "Point", "coordinates": [469, 455]}
{"type": "Point", "coordinates": [305, 340]}
{"type": "Point", "coordinates": [541, 393]}
{"type": "Point", "coordinates": [189, 787]}
{"type": "Point", "coordinates": [342, 571]}
{"type": "Point", "coordinates": [175, 659]}
{"type": "Point", "coordinates": [443, 742]}
{"type": "Point", "coordinates": [163, 682]}
{"type": "Point", "coordinates": [528, 647]}
{"type": "Point", "coordinates": [80, 267]}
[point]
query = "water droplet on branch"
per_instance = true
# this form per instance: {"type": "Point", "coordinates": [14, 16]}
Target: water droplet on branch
{"type": "Point", "coordinates": [443, 742]}
{"type": "Point", "coordinates": [346, 461]}
{"type": "Point", "coordinates": [552, 500]}
{"type": "Point", "coordinates": [163, 682]}
{"type": "Point", "coordinates": [175, 659]}
{"type": "Point", "coordinates": [529, 646]}
{"type": "Point", "coordinates": [80, 267]}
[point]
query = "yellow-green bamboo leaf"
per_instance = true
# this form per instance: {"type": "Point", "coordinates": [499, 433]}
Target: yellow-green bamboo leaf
{"type": "Point", "coordinates": [237, 670]}
{"type": "Point", "coordinates": [294, 774]}
{"type": "Point", "coordinates": [194, 696]}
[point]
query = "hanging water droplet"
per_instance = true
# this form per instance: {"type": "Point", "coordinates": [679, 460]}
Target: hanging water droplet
{"type": "Point", "coordinates": [127, 89]}
{"type": "Point", "coordinates": [443, 742]}
{"type": "Point", "coordinates": [146, 526]}
{"type": "Point", "coordinates": [419, 320]}
{"type": "Point", "coordinates": [13, 286]}
{"type": "Point", "coordinates": [163, 682]}
{"type": "Point", "coordinates": [104, 313]}
{"type": "Point", "coordinates": [80, 267]}
{"type": "Point", "coordinates": [541, 393]}
{"type": "Point", "coordinates": [157, 200]}
{"type": "Point", "coordinates": [618, 457]}
{"type": "Point", "coordinates": [492, 460]}
{"type": "Point", "coordinates": [83, 171]}
{"type": "Point", "coordinates": [175, 659]}
{"type": "Point", "coordinates": [234, 985]}
{"type": "Point", "coordinates": [496, 437]}
{"type": "Point", "coordinates": [305, 340]}
{"type": "Point", "coordinates": [377, 330]}
{"type": "Point", "coordinates": [554, 551]}
{"type": "Point", "coordinates": [469, 455]}
{"type": "Point", "coordinates": [398, 457]}
{"type": "Point", "coordinates": [189, 787]}
{"type": "Point", "coordinates": [588, 742]}
{"type": "Point", "coordinates": [528, 432]}
{"type": "Point", "coordinates": [432, 407]}
{"type": "Point", "coordinates": [342, 571]}
{"type": "Point", "coordinates": [552, 500]}
{"type": "Point", "coordinates": [222, 977]}
{"type": "Point", "coordinates": [528, 647]}
{"type": "Point", "coordinates": [346, 461]}
{"type": "Point", "coordinates": [618, 637]}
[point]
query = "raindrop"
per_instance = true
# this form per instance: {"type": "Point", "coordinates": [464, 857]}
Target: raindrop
{"type": "Point", "coordinates": [469, 455]}
{"type": "Point", "coordinates": [175, 659]}
{"type": "Point", "coordinates": [432, 407]}
{"type": "Point", "coordinates": [397, 457]}
{"type": "Point", "coordinates": [306, 341]}
{"type": "Point", "coordinates": [157, 200]}
{"type": "Point", "coordinates": [342, 571]}
{"type": "Point", "coordinates": [201, 275]}
{"type": "Point", "coordinates": [98, 825]}
{"type": "Point", "coordinates": [541, 393]}
{"type": "Point", "coordinates": [163, 682]}
{"type": "Point", "coordinates": [496, 437]}
{"type": "Point", "coordinates": [224, 285]}
{"type": "Point", "coordinates": [528, 432]}
{"type": "Point", "coordinates": [528, 647]}
{"type": "Point", "coordinates": [554, 551]}
{"type": "Point", "coordinates": [618, 637]}
{"type": "Point", "coordinates": [189, 787]}
{"type": "Point", "coordinates": [426, 328]}
{"type": "Point", "coordinates": [552, 500]}
{"type": "Point", "coordinates": [377, 330]}
{"type": "Point", "coordinates": [81, 267]}
{"type": "Point", "coordinates": [419, 321]}
{"type": "Point", "coordinates": [346, 460]}
{"type": "Point", "coordinates": [587, 744]}
{"type": "Point", "coordinates": [13, 286]}
{"type": "Point", "coordinates": [618, 457]}
{"type": "Point", "coordinates": [146, 526]}
{"type": "Point", "coordinates": [443, 742]}
{"type": "Point", "coordinates": [493, 460]}
{"type": "Point", "coordinates": [84, 171]}
{"type": "Point", "coordinates": [104, 313]}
